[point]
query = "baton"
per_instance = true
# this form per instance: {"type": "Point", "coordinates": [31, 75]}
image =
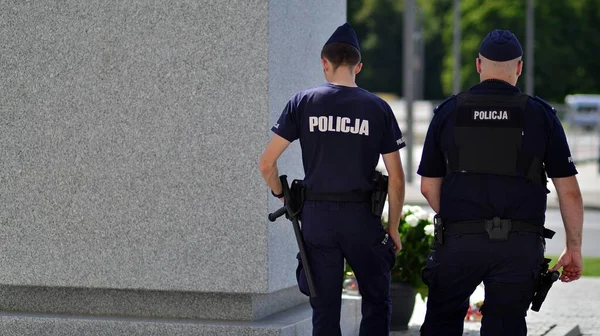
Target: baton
{"type": "Point", "coordinates": [293, 217]}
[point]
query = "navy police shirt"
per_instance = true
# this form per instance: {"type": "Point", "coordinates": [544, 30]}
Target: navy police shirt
{"type": "Point", "coordinates": [479, 196]}
{"type": "Point", "coordinates": [342, 132]}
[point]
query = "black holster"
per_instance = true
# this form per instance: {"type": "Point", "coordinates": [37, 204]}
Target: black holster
{"type": "Point", "coordinates": [297, 191]}
{"type": "Point", "coordinates": [379, 195]}
{"type": "Point", "coordinates": [543, 286]}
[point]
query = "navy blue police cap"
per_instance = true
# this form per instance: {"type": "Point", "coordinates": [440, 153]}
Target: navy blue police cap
{"type": "Point", "coordinates": [500, 46]}
{"type": "Point", "coordinates": [344, 34]}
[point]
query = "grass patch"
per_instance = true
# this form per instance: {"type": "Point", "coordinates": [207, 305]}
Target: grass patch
{"type": "Point", "coordinates": [591, 265]}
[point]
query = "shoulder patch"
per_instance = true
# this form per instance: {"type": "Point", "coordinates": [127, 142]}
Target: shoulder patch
{"type": "Point", "coordinates": [437, 108]}
{"type": "Point", "coordinates": [545, 104]}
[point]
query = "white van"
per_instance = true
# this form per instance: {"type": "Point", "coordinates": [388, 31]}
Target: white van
{"type": "Point", "coordinates": [583, 110]}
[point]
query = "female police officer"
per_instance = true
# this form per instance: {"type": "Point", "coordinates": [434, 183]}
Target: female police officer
{"type": "Point", "coordinates": [343, 130]}
{"type": "Point", "coordinates": [483, 168]}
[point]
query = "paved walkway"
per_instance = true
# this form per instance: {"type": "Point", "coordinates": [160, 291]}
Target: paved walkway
{"type": "Point", "coordinates": [576, 302]}
{"type": "Point", "coordinates": [567, 304]}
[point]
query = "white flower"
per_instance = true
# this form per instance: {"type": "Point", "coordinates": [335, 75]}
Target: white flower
{"type": "Point", "coordinates": [412, 220]}
{"type": "Point", "coordinates": [386, 211]}
{"type": "Point", "coordinates": [416, 209]}
{"type": "Point", "coordinates": [406, 209]}
{"type": "Point", "coordinates": [478, 295]}
{"type": "Point", "coordinates": [431, 217]}
{"type": "Point", "coordinates": [425, 216]}
{"type": "Point", "coordinates": [429, 229]}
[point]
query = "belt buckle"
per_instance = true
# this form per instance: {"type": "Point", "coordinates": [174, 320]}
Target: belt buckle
{"type": "Point", "coordinates": [498, 229]}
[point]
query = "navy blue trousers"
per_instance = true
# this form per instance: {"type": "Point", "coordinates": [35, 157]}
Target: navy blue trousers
{"type": "Point", "coordinates": [334, 231]}
{"type": "Point", "coordinates": [509, 270]}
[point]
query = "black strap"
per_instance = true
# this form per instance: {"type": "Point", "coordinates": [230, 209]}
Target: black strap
{"type": "Point", "coordinates": [451, 157]}
{"type": "Point", "coordinates": [479, 226]}
{"type": "Point", "coordinates": [363, 196]}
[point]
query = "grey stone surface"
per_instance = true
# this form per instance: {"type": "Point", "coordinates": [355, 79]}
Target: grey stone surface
{"type": "Point", "coordinates": [351, 315]}
{"type": "Point", "coordinates": [129, 137]}
{"type": "Point", "coordinates": [564, 330]}
{"type": "Point", "coordinates": [152, 304]}
{"type": "Point", "coordinates": [266, 304]}
{"type": "Point", "coordinates": [297, 32]}
{"type": "Point", "coordinates": [294, 322]}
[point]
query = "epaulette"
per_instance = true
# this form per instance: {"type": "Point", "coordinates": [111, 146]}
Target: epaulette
{"type": "Point", "coordinates": [545, 104]}
{"type": "Point", "coordinates": [437, 108]}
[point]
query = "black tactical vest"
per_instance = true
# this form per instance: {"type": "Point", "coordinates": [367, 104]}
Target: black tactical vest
{"type": "Point", "coordinates": [488, 134]}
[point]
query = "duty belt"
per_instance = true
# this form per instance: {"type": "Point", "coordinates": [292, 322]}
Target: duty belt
{"type": "Point", "coordinates": [362, 196]}
{"type": "Point", "coordinates": [497, 228]}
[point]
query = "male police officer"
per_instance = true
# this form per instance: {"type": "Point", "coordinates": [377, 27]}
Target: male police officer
{"type": "Point", "coordinates": [484, 165]}
{"type": "Point", "coordinates": [343, 130]}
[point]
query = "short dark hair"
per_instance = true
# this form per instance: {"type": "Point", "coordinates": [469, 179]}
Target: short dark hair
{"type": "Point", "coordinates": [341, 54]}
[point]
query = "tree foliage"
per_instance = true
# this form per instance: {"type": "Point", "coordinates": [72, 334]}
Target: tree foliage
{"type": "Point", "coordinates": [378, 24]}
{"type": "Point", "coordinates": [566, 43]}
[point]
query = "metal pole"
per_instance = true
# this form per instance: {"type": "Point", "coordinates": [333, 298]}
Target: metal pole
{"type": "Point", "coordinates": [456, 48]}
{"type": "Point", "coordinates": [529, 48]}
{"type": "Point", "coordinates": [409, 91]}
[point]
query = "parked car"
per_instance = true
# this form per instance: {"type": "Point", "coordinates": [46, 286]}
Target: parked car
{"type": "Point", "coordinates": [583, 110]}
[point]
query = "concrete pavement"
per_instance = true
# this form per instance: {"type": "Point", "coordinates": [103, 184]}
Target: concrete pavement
{"type": "Point", "coordinates": [573, 303]}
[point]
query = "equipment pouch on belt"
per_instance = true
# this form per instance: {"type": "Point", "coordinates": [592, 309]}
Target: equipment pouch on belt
{"type": "Point", "coordinates": [498, 229]}
{"type": "Point", "coordinates": [438, 232]}
{"type": "Point", "coordinates": [297, 196]}
{"type": "Point", "coordinates": [379, 194]}
{"type": "Point", "coordinates": [543, 286]}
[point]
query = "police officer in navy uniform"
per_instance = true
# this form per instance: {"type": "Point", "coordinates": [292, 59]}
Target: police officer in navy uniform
{"type": "Point", "coordinates": [484, 167]}
{"type": "Point", "coordinates": [343, 130]}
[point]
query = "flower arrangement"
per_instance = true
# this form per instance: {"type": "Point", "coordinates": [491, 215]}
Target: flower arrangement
{"type": "Point", "coordinates": [416, 234]}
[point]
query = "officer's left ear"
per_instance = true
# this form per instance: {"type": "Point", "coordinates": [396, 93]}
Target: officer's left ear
{"type": "Point", "coordinates": [358, 68]}
{"type": "Point", "coordinates": [519, 68]}
{"type": "Point", "coordinates": [324, 64]}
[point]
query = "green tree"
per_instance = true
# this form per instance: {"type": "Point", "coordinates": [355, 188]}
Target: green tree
{"type": "Point", "coordinates": [565, 43]}
{"type": "Point", "coordinates": [379, 25]}
{"type": "Point", "coordinates": [478, 17]}
{"type": "Point", "coordinates": [435, 49]}
{"type": "Point", "coordinates": [565, 47]}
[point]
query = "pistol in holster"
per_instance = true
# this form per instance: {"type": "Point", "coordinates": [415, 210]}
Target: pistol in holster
{"type": "Point", "coordinates": [379, 195]}
{"type": "Point", "coordinates": [543, 285]}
